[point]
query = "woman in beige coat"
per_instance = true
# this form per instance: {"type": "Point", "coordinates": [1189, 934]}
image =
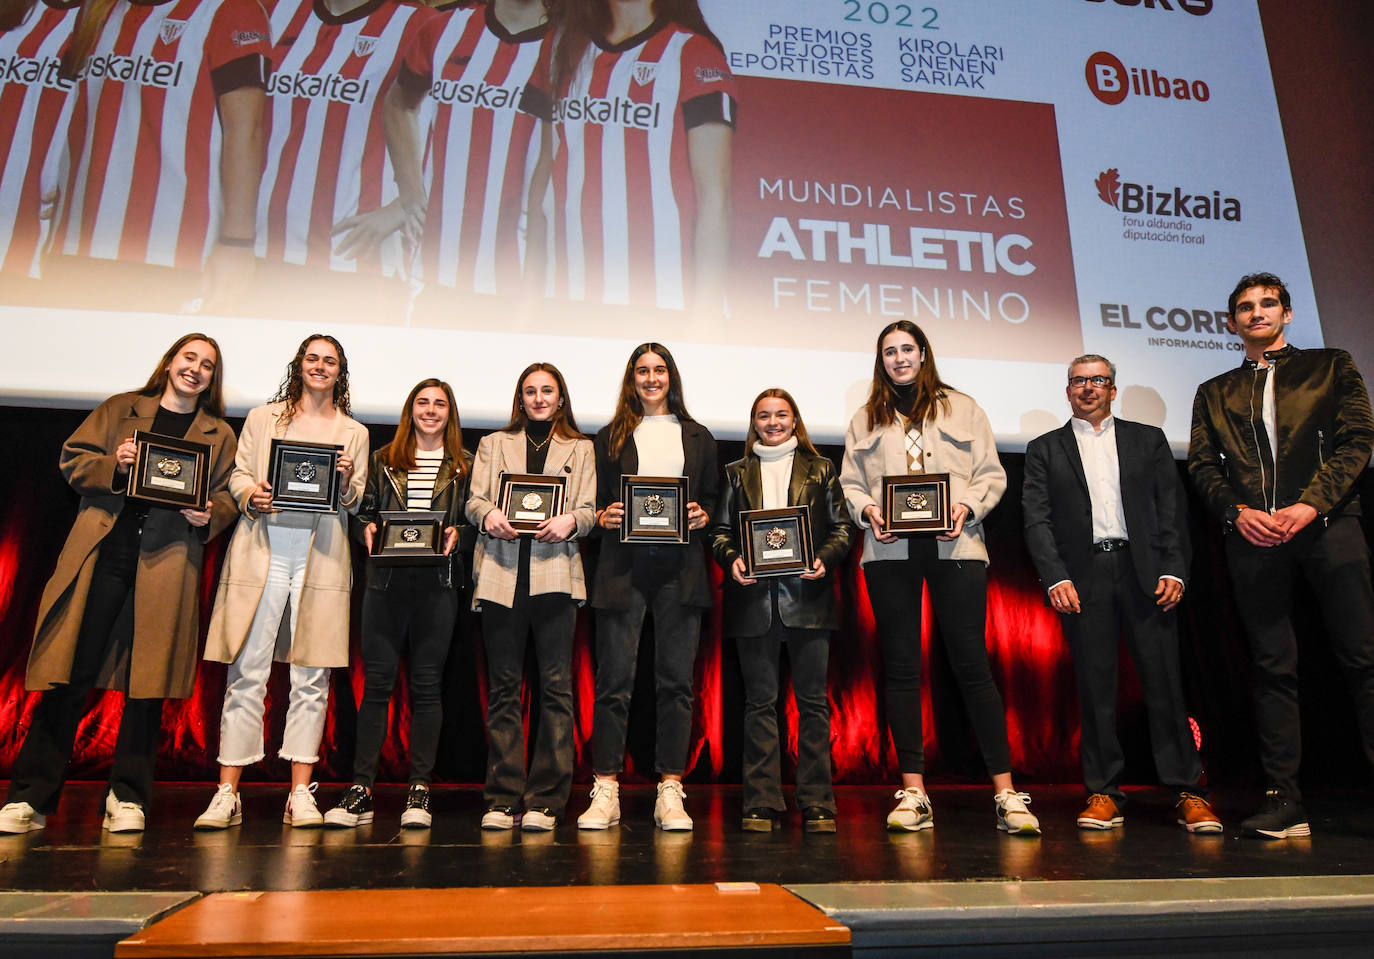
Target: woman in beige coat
{"type": "Point", "coordinates": [914, 422]}
{"type": "Point", "coordinates": [121, 609]}
{"type": "Point", "coordinates": [531, 583]}
{"type": "Point", "coordinates": [282, 560]}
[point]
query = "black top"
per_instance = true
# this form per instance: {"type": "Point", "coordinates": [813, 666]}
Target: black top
{"type": "Point", "coordinates": [537, 445]}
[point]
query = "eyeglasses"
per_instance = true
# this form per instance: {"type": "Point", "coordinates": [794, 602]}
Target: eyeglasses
{"type": "Point", "coordinates": [1078, 382]}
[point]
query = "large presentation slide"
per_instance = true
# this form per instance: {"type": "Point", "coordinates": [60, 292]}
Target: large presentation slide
{"type": "Point", "coordinates": [761, 186]}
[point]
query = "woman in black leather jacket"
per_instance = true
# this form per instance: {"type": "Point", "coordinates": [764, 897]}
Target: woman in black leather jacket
{"type": "Point", "coordinates": [423, 468]}
{"type": "Point", "coordinates": [782, 468]}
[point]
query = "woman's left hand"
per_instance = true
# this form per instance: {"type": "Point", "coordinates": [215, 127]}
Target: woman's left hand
{"type": "Point", "coordinates": [696, 516]}
{"type": "Point", "coordinates": [196, 517]}
{"type": "Point", "coordinates": [960, 513]}
{"type": "Point", "coordinates": [817, 570]}
{"type": "Point", "coordinates": [556, 529]}
{"type": "Point", "coordinates": [345, 466]}
{"type": "Point", "coordinates": [450, 539]}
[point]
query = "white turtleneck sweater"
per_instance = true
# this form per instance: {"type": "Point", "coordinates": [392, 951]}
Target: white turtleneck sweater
{"type": "Point", "coordinates": [775, 467]}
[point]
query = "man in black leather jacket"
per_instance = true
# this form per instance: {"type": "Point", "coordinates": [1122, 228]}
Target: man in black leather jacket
{"type": "Point", "coordinates": [1277, 448]}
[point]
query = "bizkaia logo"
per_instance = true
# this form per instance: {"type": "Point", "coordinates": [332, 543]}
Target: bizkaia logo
{"type": "Point", "coordinates": [1164, 201]}
{"type": "Point", "coordinates": [1111, 81]}
{"type": "Point", "coordinates": [1198, 8]}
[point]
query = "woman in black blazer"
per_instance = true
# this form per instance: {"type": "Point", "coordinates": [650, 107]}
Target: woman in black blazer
{"type": "Point", "coordinates": [651, 434]}
{"type": "Point", "coordinates": [782, 468]}
{"type": "Point", "coordinates": [409, 609]}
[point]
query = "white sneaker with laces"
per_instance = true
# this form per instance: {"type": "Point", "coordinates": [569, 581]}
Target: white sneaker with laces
{"type": "Point", "coordinates": [301, 811]}
{"type": "Point", "coordinates": [668, 812]}
{"type": "Point", "coordinates": [1012, 815]}
{"type": "Point", "coordinates": [913, 812]}
{"type": "Point", "coordinates": [604, 811]}
{"type": "Point", "coordinates": [20, 817]}
{"type": "Point", "coordinates": [538, 819]}
{"type": "Point", "coordinates": [122, 816]}
{"type": "Point", "coordinates": [225, 809]}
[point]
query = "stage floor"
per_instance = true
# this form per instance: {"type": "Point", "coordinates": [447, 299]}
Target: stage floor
{"type": "Point", "coordinates": [73, 854]}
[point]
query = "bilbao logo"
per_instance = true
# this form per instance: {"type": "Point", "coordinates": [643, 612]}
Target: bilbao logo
{"type": "Point", "coordinates": [1198, 8]}
{"type": "Point", "coordinates": [1111, 81]}
{"type": "Point", "coordinates": [1164, 201]}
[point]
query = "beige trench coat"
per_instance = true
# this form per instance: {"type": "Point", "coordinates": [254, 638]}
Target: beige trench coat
{"type": "Point", "coordinates": [321, 637]}
{"type": "Point", "coordinates": [165, 615]}
{"type": "Point", "coordinates": [554, 567]}
{"type": "Point", "coordinates": [960, 444]}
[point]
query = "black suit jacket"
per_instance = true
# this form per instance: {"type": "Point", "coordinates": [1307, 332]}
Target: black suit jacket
{"type": "Point", "coordinates": [615, 565]}
{"type": "Point", "coordinates": [1058, 510]}
{"type": "Point", "coordinates": [802, 603]}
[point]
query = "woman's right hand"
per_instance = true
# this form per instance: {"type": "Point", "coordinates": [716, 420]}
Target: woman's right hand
{"type": "Point", "coordinates": [125, 456]}
{"type": "Point", "coordinates": [260, 500]}
{"type": "Point", "coordinates": [369, 531]}
{"type": "Point", "coordinates": [496, 524]}
{"type": "Point", "coordinates": [612, 516]}
{"type": "Point", "coordinates": [737, 571]}
{"type": "Point", "coordinates": [875, 520]}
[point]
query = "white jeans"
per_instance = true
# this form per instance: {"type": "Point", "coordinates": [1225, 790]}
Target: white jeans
{"type": "Point", "coordinates": [240, 724]}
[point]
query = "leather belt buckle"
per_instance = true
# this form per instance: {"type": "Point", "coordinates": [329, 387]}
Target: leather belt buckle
{"type": "Point", "coordinates": [1110, 545]}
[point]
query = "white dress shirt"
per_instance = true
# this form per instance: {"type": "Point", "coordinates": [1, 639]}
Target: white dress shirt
{"type": "Point", "coordinates": [1097, 450]}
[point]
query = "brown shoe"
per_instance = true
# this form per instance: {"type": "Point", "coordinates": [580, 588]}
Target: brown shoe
{"type": "Point", "coordinates": [1195, 814]}
{"type": "Point", "coordinates": [1100, 814]}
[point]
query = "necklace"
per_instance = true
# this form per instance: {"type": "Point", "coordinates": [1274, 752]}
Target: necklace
{"type": "Point", "coordinates": [538, 446]}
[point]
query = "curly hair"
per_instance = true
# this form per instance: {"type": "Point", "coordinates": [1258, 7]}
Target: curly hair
{"type": "Point", "coordinates": [293, 382]}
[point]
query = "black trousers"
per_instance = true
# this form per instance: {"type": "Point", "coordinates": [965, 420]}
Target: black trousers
{"type": "Point", "coordinates": [552, 618]}
{"type": "Point", "coordinates": [959, 595]}
{"type": "Point", "coordinates": [677, 632]}
{"type": "Point", "coordinates": [413, 611]}
{"type": "Point", "coordinates": [41, 767]}
{"type": "Point", "coordinates": [1335, 561]}
{"type": "Point", "coordinates": [1111, 599]}
{"type": "Point", "coordinates": [808, 654]}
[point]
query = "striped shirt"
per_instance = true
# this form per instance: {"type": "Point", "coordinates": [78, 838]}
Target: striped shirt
{"type": "Point", "coordinates": [420, 480]}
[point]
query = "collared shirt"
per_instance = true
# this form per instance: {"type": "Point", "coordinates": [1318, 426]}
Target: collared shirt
{"type": "Point", "coordinates": [1097, 450]}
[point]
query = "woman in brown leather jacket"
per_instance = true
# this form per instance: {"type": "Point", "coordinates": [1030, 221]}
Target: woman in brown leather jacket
{"type": "Point", "coordinates": [782, 468]}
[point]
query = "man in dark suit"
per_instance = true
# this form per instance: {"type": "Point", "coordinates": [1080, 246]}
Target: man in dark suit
{"type": "Point", "coordinates": [1105, 524]}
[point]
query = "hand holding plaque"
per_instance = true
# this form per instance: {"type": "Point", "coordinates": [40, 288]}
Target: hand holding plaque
{"type": "Point", "coordinates": [917, 503]}
{"type": "Point", "coordinates": [169, 471]}
{"type": "Point", "coordinates": [776, 542]}
{"type": "Point", "coordinates": [528, 499]}
{"type": "Point", "coordinates": [304, 476]}
{"type": "Point", "coordinates": [406, 538]}
{"type": "Point", "coordinates": [655, 509]}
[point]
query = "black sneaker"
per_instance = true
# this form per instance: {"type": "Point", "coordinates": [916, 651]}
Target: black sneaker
{"type": "Point", "coordinates": [758, 820]}
{"type": "Point", "coordinates": [818, 819]}
{"type": "Point", "coordinates": [355, 809]}
{"type": "Point", "coordinates": [416, 814]}
{"type": "Point", "coordinates": [1278, 818]}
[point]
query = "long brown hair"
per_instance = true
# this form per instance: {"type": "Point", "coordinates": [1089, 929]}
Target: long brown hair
{"type": "Point", "coordinates": [930, 389]}
{"type": "Point", "coordinates": [13, 13]}
{"type": "Point", "coordinates": [399, 454]}
{"type": "Point", "coordinates": [629, 411]}
{"type": "Point", "coordinates": [293, 382]}
{"type": "Point", "coordinates": [211, 399]}
{"type": "Point", "coordinates": [90, 23]}
{"type": "Point", "coordinates": [798, 427]}
{"type": "Point", "coordinates": [580, 21]}
{"type": "Point", "coordinates": [564, 423]}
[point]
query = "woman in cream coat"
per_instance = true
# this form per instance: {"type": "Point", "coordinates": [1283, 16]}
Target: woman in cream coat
{"type": "Point", "coordinates": [915, 423]}
{"type": "Point", "coordinates": [279, 560]}
{"type": "Point", "coordinates": [531, 584]}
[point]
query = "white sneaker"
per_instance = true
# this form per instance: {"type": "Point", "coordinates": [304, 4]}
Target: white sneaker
{"type": "Point", "coordinates": [122, 816]}
{"type": "Point", "coordinates": [668, 812]}
{"type": "Point", "coordinates": [20, 817]}
{"type": "Point", "coordinates": [604, 811]}
{"type": "Point", "coordinates": [913, 812]}
{"type": "Point", "coordinates": [416, 814]}
{"type": "Point", "coordinates": [301, 811]}
{"type": "Point", "coordinates": [498, 817]}
{"type": "Point", "coordinates": [1012, 815]}
{"type": "Point", "coordinates": [538, 819]}
{"type": "Point", "coordinates": [225, 809]}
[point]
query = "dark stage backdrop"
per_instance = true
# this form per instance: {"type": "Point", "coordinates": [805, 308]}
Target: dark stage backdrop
{"type": "Point", "coordinates": [1029, 657]}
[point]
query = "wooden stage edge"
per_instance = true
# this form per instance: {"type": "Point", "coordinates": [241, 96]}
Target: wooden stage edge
{"type": "Point", "coordinates": [561, 919]}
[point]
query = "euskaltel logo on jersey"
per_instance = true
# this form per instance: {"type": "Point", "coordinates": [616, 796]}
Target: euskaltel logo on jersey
{"type": "Point", "coordinates": [608, 111]}
{"type": "Point", "coordinates": [1198, 8]}
{"type": "Point", "coordinates": [1164, 201]}
{"type": "Point", "coordinates": [1112, 81]}
{"type": "Point", "coordinates": [476, 93]}
{"type": "Point", "coordinates": [322, 86]}
{"type": "Point", "coordinates": [33, 71]}
{"type": "Point", "coordinates": [142, 70]}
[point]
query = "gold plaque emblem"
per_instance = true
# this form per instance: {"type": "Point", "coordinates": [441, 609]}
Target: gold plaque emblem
{"type": "Point", "coordinates": [776, 538]}
{"type": "Point", "coordinates": [917, 500]}
{"type": "Point", "coordinates": [169, 466]}
{"type": "Point", "coordinates": [531, 501]}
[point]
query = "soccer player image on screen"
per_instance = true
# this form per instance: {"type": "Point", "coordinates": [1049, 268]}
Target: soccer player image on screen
{"type": "Point", "coordinates": [34, 107]}
{"type": "Point", "coordinates": [164, 151]}
{"type": "Point", "coordinates": [643, 121]}
{"type": "Point", "coordinates": [463, 87]}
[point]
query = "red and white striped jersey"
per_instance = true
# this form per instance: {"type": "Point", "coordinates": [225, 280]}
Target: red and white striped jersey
{"type": "Point", "coordinates": [326, 154]}
{"type": "Point", "coordinates": [483, 147]}
{"type": "Point", "coordinates": [145, 139]}
{"type": "Point", "coordinates": [623, 191]}
{"type": "Point", "coordinates": [35, 108]}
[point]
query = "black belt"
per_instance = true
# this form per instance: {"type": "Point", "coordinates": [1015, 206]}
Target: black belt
{"type": "Point", "coordinates": [1110, 545]}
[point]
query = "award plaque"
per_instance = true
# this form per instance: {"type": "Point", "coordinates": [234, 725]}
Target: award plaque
{"type": "Point", "coordinates": [655, 509]}
{"type": "Point", "coordinates": [304, 476]}
{"type": "Point", "coordinates": [528, 499]}
{"type": "Point", "coordinates": [408, 539]}
{"type": "Point", "coordinates": [776, 542]}
{"type": "Point", "coordinates": [170, 471]}
{"type": "Point", "coordinates": [917, 503]}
